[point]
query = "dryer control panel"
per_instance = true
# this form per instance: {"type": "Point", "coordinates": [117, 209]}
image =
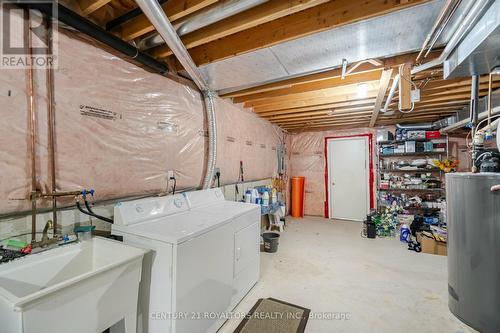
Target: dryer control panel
{"type": "Point", "coordinates": [136, 211]}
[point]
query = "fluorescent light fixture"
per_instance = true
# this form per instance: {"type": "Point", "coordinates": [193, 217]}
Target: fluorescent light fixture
{"type": "Point", "coordinates": [362, 89]}
{"type": "Point", "coordinates": [344, 68]}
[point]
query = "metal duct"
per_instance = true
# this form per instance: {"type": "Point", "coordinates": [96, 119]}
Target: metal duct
{"type": "Point", "coordinates": [471, 13]}
{"type": "Point", "coordinates": [415, 126]}
{"type": "Point", "coordinates": [479, 50]}
{"type": "Point", "coordinates": [157, 17]}
{"type": "Point", "coordinates": [202, 19]}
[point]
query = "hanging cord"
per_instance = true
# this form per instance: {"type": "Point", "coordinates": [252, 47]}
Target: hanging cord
{"type": "Point", "coordinates": [175, 184]}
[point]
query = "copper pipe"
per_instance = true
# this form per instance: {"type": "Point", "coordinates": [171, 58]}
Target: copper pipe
{"type": "Point", "coordinates": [32, 121]}
{"type": "Point", "coordinates": [51, 121]}
{"type": "Point", "coordinates": [490, 83]}
{"type": "Point", "coordinates": [60, 194]}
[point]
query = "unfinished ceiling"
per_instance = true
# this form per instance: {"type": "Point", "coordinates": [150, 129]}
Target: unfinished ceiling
{"type": "Point", "coordinates": [281, 58]}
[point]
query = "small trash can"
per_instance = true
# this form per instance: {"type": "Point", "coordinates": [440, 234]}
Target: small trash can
{"type": "Point", "coordinates": [271, 240]}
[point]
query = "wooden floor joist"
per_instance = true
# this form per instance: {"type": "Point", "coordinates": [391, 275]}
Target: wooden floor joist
{"type": "Point", "coordinates": [316, 19]}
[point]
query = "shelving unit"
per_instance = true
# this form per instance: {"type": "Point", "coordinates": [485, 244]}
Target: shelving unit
{"type": "Point", "coordinates": [437, 174]}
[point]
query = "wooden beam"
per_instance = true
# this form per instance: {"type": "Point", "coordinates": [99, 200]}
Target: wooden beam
{"type": "Point", "coordinates": [365, 66]}
{"type": "Point", "coordinates": [312, 86]}
{"type": "Point", "coordinates": [317, 104]}
{"type": "Point", "coordinates": [405, 86]}
{"type": "Point", "coordinates": [385, 78]}
{"type": "Point", "coordinates": [315, 95]}
{"type": "Point", "coordinates": [90, 6]}
{"type": "Point", "coordinates": [316, 113]}
{"type": "Point", "coordinates": [316, 19]}
{"type": "Point", "coordinates": [175, 9]}
{"type": "Point", "coordinates": [250, 18]}
{"type": "Point", "coordinates": [323, 107]}
{"type": "Point", "coordinates": [318, 101]}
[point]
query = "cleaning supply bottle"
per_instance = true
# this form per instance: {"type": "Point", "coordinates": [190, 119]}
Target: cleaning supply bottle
{"type": "Point", "coordinates": [404, 233]}
{"type": "Point", "coordinates": [248, 196]}
{"type": "Point", "coordinates": [265, 198]}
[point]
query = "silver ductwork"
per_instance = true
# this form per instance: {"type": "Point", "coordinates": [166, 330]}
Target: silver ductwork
{"type": "Point", "coordinates": [479, 51]}
{"type": "Point", "coordinates": [157, 17]}
{"type": "Point", "coordinates": [468, 17]}
{"type": "Point", "coordinates": [202, 19]}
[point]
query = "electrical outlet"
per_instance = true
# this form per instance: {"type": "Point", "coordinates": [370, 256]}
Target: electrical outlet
{"type": "Point", "coordinates": [170, 174]}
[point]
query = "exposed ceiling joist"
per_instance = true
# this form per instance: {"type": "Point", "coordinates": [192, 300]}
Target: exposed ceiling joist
{"type": "Point", "coordinates": [175, 9]}
{"type": "Point", "coordinates": [90, 6]}
{"type": "Point", "coordinates": [312, 86]}
{"type": "Point", "coordinates": [385, 78]}
{"type": "Point", "coordinates": [319, 18]}
{"type": "Point", "coordinates": [261, 14]}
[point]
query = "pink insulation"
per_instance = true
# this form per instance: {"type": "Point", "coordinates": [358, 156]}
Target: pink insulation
{"type": "Point", "coordinates": [119, 129]}
{"type": "Point", "coordinates": [308, 160]}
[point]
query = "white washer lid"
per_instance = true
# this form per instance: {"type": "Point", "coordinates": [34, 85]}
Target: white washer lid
{"type": "Point", "coordinates": [227, 209]}
{"type": "Point", "coordinates": [173, 229]}
{"type": "Point", "coordinates": [204, 197]}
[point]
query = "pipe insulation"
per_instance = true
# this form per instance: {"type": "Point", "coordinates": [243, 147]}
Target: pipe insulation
{"type": "Point", "coordinates": [85, 26]}
{"type": "Point", "coordinates": [158, 18]}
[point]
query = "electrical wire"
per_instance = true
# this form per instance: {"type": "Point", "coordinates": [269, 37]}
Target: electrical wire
{"type": "Point", "coordinates": [175, 184]}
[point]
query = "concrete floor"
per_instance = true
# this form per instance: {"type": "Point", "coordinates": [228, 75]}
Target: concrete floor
{"type": "Point", "coordinates": [381, 286]}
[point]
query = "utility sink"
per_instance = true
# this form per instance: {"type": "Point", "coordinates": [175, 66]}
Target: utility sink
{"type": "Point", "coordinates": [83, 287]}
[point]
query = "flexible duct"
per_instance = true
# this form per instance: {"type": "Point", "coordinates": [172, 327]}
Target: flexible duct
{"type": "Point", "coordinates": [157, 17]}
{"type": "Point", "coordinates": [202, 19]}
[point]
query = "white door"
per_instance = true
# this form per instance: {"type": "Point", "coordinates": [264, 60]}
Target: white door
{"type": "Point", "coordinates": [348, 176]}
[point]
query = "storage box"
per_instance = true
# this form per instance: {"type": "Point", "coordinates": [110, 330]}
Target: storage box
{"type": "Point", "coordinates": [384, 135]}
{"type": "Point", "coordinates": [415, 134]}
{"type": "Point", "coordinates": [432, 135]}
{"type": "Point", "coordinates": [431, 246]}
{"type": "Point", "coordinates": [399, 149]}
{"type": "Point", "coordinates": [410, 146]}
{"type": "Point", "coordinates": [387, 150]}
{"type": "Point", "coordinates": [429, 146]}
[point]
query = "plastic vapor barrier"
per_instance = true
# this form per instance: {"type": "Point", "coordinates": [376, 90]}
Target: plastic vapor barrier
{"type": "Point", "coordinates": [119, 129]}
{"type": "Point", "coordinates": [308, 159]}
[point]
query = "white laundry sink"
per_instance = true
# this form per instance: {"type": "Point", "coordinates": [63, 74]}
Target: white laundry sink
{"type": "Point", "coordinates": [83, 287]}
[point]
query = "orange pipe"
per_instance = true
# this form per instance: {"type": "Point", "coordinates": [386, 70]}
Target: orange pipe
{"type": "Point", "coordinates": [298, 196]}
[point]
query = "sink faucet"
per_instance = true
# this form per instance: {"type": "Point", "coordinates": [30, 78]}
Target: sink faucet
{"type": "Point", "coordinates": [45, 238]}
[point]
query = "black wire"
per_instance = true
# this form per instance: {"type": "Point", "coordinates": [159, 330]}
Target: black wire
{"type": "Point", "coordinates": [107, 219]}
{"type": "Point", "coordinates": [175, 184]}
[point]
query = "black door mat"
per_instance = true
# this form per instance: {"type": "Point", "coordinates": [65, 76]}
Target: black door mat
{"type": "Point", "coordinates": [270, 315]}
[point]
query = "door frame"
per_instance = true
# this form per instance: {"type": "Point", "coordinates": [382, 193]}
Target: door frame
{"type": "Point", "coordinates": [371, 177]}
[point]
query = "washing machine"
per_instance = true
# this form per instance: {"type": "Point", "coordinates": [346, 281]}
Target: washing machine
{"type": "Point", "coordinates": [188, 280]}
{"type": "Point", "coordinates": [245, 219]}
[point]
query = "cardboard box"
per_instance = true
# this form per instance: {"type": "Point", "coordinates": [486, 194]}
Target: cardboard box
{"type": "Point", "coordinates": [431, 246]}
{"type": "Point", "coordinates": [432, 135]}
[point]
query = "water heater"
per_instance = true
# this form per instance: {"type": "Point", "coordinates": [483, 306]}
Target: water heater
{"type": "Point", "coordinates": [474, 249]}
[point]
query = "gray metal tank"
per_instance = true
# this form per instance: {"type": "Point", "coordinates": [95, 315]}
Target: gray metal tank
{"type": "Point", "coordinates": [474, 249]}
